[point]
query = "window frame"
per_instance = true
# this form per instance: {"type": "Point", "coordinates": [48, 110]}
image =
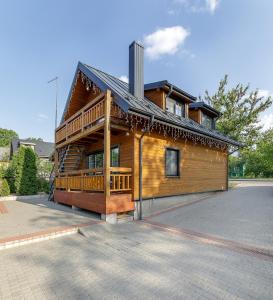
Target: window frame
{"type": "Point", "coordinates": [178, 162]}
{"type": "Point", "coordinates": [102, 151]}
{"type": "Point", "coordinates": [206, 117]}
{"type": "Point", "coordinates": [176, 103]}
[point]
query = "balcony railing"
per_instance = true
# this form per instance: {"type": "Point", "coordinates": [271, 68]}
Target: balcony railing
{"type": "Point", "coordinates": [88, 116]}
{"type": "Point", "coordinates": [92, 180]}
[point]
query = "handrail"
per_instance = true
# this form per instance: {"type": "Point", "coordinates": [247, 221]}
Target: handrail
{"type": "Point", "coordinates": [88, 105]}
{"type": "Point", "coordinates": [120, 180]}
{"type": "Point", "coordinates": [80, 172]}
{"type": "Point", "coordinates": [94, 171]}
{"type": "Point", "coordinates": [82, 119]}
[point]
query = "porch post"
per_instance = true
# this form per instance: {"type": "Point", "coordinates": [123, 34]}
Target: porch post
{"type": "Point", "coordinates": [107, 145]}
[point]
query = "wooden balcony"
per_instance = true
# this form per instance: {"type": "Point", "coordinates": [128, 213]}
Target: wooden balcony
{"type": "Point", "coordinates": [86, 189]}
{"type": "Point", "coordinates": [107, 190]}
{"type": "Point", "coordinates": [92, 180]}
{"type": "Point", "coordinates": [87, 120]}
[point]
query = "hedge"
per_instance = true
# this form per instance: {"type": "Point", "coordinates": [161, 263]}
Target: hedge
{"type": "Point", "coordinates": [4, 187]}
{"type": "Point", "coordinates": [25, 171]}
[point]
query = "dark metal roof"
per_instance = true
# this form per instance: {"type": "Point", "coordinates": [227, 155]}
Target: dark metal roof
{"type": "Point", "coordinates": [129, 103]}
{"type": "Point", "coordinates": [41, 148]}
{"type": "Point", "coordinates": [204, 106]}
{"type": "Point", "coordinates": [165, 83]}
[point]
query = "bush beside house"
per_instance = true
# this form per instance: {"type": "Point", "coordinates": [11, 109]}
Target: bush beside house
{"type": "Point", "coordinates": [24, 167]}
{"type": "Point", "coordinates": [4, 187]}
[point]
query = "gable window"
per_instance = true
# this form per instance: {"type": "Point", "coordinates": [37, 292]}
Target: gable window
{"type": "Point", "coordinates": [95, 160]}
{"type": "Point", "coordinates": [172, 162]}
{"type": "Point", "coordinates": [175, 107]}
{"type": "Point", "coordinates": [207, 121]}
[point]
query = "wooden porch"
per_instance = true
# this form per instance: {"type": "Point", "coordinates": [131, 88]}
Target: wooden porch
{"type": "Point", "coordinates": [103, 190]}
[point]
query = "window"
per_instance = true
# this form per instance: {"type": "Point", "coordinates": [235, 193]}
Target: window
{"type": "Point", "coordinates": [207, 121]}
{"type": "Point", "coordinates": [115, 157]}
{"type": "Point", "coordinates": [95, 160]}
{"type": "Point", "coordinates": [172, 162]}
{"type": "Point", "coordinates": [175, 107]}
{"type": "Point", "coordinates": [170, 105]}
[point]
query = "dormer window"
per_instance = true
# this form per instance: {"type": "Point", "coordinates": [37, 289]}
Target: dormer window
{"type": "Point", "coordinates": [204, 114]}
{"type": "Point", "coordinates": [175, 107]}
{"type": "Point", "coordinates": [206, 121]}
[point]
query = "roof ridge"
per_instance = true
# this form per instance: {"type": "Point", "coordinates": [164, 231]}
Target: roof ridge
{"type": "Point", "coordinates": [104, 73]}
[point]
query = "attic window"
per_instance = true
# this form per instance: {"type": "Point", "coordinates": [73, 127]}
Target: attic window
{"type": "Point", "coordinates": [175, 107]}
{"type": "Point", "coordinates": [207, 121]}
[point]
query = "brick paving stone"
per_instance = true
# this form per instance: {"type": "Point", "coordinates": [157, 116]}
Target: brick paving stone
{"type": "Point", "coordinates": [132, 261]}
{"type": "Point", "coordinates": [243, 214]}
{"type": "Point", "coordinates": [29, 216]}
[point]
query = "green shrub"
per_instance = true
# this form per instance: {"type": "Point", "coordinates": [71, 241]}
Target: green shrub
{"type": "Point", "coordinates": [4, 187]}
{"type": "Point", "coordinates": [2, 172]}
{"type": "Point", "coordinates": [10, 175]}
{"type": "Point", "coordinates": [43, 185]}
{"type": "Point", "coordinates": [25, 171]}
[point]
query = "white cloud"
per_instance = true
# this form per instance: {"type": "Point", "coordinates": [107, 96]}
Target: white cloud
{"type": "Point", "coordinates": [124, 78]}
{"type": "Point", "coordinates": [42, 116]}
{"type": "Point", "coordinates": [165, 41]}
{"type": "Point", "coordinates": [264, 93]}
{"type": "Point", "coordinates": [171, 12]}
{"type": "Point", "coordinates": [266, 121]}
{"type": "Point", "coordinates": [196, 6]}
{"type": "Point", "coordinates": [212, 4]}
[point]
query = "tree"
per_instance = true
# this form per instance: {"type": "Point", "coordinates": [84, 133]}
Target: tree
{"type": "Point", "coordinates": [4, 187]}
{"type": "Point", "coordinates": [240, 109]}
{"type": "Point", "coordinates": [44, 167]}
{"type": "Point", "coordinates": [25, 171]}
{"type": "Point", "coordinates": [259, 162]}
{"type": "Point", "coordinates": [6, 136]}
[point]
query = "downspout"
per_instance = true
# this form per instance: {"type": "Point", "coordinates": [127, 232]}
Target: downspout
{"type": "Point", "coordinates": [140, 167]}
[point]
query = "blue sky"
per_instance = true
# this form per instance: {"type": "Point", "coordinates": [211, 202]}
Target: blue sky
{"type": "Point", "coordinates": [192, 43]}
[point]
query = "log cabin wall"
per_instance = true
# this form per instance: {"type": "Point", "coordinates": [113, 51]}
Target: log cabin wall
{"type": "Point", "coordinates": [157, 96]}
{"type": "Point", "coordinates": [81, 96]}
{"type": "Point", "coordinates": [202, 168]}
{"type": "Point", "coordinates": [125, 144]}
{"type": "Point", "coordinates": [195, 115]}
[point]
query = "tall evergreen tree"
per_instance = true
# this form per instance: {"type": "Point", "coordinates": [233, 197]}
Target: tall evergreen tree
{"type": "Point", "coordinates": [25, 171]}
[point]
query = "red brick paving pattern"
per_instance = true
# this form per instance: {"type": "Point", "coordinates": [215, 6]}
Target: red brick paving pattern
{"type": "Point", "coordinates": [261, 253]}
{"type": "Point", "coordinates": [3, 209]}
{"type": "Point", "coordinates": [44, 233]}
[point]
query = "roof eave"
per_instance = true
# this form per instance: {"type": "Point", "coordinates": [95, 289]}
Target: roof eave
{"type": "Point", "coordinates": [235, 143]}
{"type": "Point", "coordinates": [166, 83]}
{"type": "Point", "coordinates": [81, 67]}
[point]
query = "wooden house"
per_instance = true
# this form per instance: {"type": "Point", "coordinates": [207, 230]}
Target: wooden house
{"type": "Point", "coordinates": [119, 143]}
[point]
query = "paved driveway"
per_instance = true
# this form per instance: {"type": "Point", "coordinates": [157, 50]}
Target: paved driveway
{"type": "Point", "coordinates": [139, 260]}
{"type": "Point", "coordinates": [244, 214]}
{"type": "Point", "coordinates": [29, 216]}
{"type": "Point", "coordinates": [131, 261]}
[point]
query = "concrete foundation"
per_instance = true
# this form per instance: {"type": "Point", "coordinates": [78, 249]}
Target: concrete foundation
{"type": "Point", "coordinates": [110, 218]}
{"type": "Point", "coordinates": [153, 205]}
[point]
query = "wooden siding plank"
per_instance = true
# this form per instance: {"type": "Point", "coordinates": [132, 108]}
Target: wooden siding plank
{"type": "Point", "coordinates": [201, 168]}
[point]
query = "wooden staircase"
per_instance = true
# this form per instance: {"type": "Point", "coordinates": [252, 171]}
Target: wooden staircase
{"type": "Point", "coordinates": [72, 158]}
{"type": "Point", "coordinates": [69, 160]}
